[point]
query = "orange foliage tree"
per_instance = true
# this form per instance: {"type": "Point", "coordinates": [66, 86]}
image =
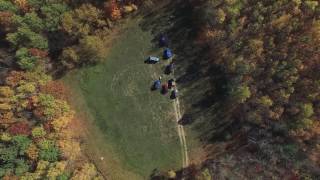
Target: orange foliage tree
{"type": "Point", "coordinates": [55, 88]}
{"type": "Point", "coordinates": [14, 78]}
{"type": "Point", "coordinates": [22, 4]}
{"type": "Point", "coordinates": [38, 52]}
{"type": "Point", "coordinates": [5, 20]}
{"type": "Point", "coordinates": [113, 10]}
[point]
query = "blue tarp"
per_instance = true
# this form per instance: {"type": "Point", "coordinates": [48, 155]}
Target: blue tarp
{"type": "Point", "coordinates": [167, 53]}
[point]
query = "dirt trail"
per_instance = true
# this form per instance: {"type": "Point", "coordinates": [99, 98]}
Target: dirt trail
{"type": "Point", "coordinates": [181, 133]}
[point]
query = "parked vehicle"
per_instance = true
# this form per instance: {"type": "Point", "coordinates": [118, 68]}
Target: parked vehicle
{"type": "Point", "coordinates": [152, 60]}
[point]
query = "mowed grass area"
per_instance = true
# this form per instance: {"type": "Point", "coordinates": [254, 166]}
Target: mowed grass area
{"type": "Point", "coordinates": [134, 125]}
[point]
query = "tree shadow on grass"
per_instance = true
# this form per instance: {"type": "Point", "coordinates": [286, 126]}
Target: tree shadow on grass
{"type": "Point", "coordinates": [201, 83]}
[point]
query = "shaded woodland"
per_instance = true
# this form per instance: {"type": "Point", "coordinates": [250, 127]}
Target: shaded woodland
{"type": "Point", "coordinates": [248, 74]}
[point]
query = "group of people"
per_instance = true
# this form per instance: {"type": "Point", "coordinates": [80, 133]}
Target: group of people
{"type": "Point", "coordinates": [170, 84]}
{"type": "Point", "coordinates": [165, 87]}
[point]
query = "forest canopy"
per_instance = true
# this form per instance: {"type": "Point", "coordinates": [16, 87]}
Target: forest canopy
{"type": "Point", "coordinates": [268, 52]}
{"type": "Point", "coordinates": [42, 39]}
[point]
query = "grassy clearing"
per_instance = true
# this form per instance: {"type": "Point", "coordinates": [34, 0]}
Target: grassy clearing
{"type": "Point", "coordinates": [132, 126]}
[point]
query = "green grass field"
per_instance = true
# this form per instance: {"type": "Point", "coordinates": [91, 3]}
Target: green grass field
{"type": "Point", "coordinates": [134, 126]}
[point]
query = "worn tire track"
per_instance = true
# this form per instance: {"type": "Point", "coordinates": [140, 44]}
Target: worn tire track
{"type": "Point", "coordinates": [181, 133]}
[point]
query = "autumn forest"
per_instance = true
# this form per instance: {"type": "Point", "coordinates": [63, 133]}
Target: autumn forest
{"type": "Point", "coordinates": [248, 72]}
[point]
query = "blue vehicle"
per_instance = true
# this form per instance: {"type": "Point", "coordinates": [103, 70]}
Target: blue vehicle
{"type": "Point", "coordinates": [153, 59]}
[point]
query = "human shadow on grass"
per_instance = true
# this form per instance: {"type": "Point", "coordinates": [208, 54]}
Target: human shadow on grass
{"type": "Point", "coordinates": [186, 119]}
{"type": "Point", "coordinates": [149, 62]}
{"type": "Point", "coordinates": [168, 70]}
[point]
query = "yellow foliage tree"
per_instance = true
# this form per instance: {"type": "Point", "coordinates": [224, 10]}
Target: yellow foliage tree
{"type": "Point", "coordinates": [32, 152]}
{"type": "Point", "coordinates": [6, 91]}
{"type": "Point", "coordinates": [315, 31]}
{"type": "Point", "coordinates": [5, 137]}
{"type": "Point", "coordinates": [70, 149]}
{"type": "Point", "coordinates": [42, 166]}
{"type": "Point", "coordinates": [41, 169]}
{"type": "Point", "coordinates": [56, 170]}
{"type": "Point", "coordinates": [22, 4]}
{"type": "Point", "coordinates": [6, 118]}
{"type": "Point", "coordinates": [5, 107]}
{"type": "Point", "coordinates": [88, 171]}
{"type": "Point", "coordinates": [30, 176]}
{"type": "Point", "coordinates": [171, 174]}
{"type": "Point", "coordinates": [62, 122]}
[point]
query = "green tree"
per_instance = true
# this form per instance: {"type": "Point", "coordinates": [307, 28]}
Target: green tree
{"type": "Point", "coordinates": [29, 20]}
{"type": "Point", "coordinates": [6, 169]}
{"type": "Point", "coordinates": [38, 132]}
{"type": "Point", "coordinates": [37, 4]}
{"type": "Point", "coordinates": [241, 94]}
{"type": "Point", "coordinates": [92, 49]}
{"type": "Point", "coordinates": [25, 60]}
{"type": "Point", "coordinates": [70, 57]}
{"type": "Point", "coordinates": [6, 5]}
{"type": "Point", "coordinates": [266, 101]}
{"type": "Point", "coordinates": [53, 15]}
{"type": "Point", "coordinates": [21, 167]}
{"type": "Point", "coordinates": [311, 4]}
{"type": "Point", "coordinates": [48, 151]}
{"type": "Point", "coordinates": [220, 16]}
{"type": "Point", "coordinates": [307, 110]}
{"type": "Point", "coordinates": [25, 37]}
{"type": "Point", "coordinates": [8, 153]}
{"type": "Point", "coordinates": [22, 143]}
{"type": "Point", "coordinates": [234, 8]}
{"type": "Point", "coordinates": [63, 176]}
{"type": "Point", "coordinates": [304, 117]}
